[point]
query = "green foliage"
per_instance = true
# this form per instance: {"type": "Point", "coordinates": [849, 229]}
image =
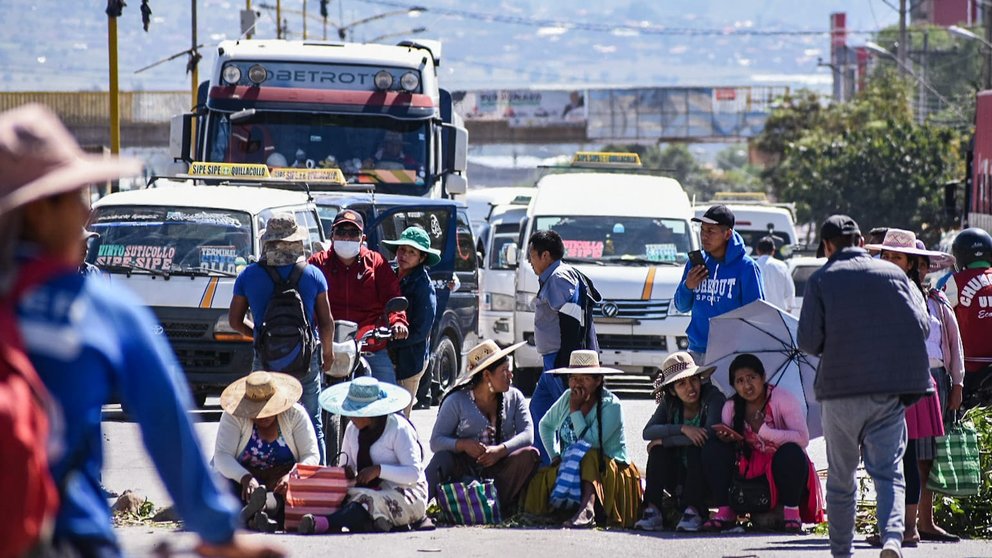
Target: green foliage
{"type": "Point", "coordinates": [867, 158]}
{"type": "Point", "coordinates": [971, 517]}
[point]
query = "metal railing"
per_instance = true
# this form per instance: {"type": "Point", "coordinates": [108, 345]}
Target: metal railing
{"type": "Point", "coordinates": [80, 108]}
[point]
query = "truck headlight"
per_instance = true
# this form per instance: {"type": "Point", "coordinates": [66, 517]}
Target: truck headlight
{"type": "Point", "coordinates": [231, 74]}
{"type": "Point", "coordinates": [224, 332]}
{"type": "Point", "coordinates": [257, 74]}
{"type": "Point", "coordinates": [410, 81]}
{"type": "Point", "coordinates": [501, 302]}
{"type": "Point", "coordinates": [524, 302]}
{"type": "Point", "coordinates": [383, 80]}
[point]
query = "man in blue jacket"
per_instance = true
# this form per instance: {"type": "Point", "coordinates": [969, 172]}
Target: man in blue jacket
{"type": "Point", "coordinates": [728, 280]}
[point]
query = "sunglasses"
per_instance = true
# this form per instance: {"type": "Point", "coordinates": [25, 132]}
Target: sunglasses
{"type": "Point", "coordinates": [347, 232]}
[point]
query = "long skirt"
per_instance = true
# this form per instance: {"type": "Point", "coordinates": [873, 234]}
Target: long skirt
{"type": "Point", "coordinates": [926, 447]}
{"type": "Point", "coordinates": [924, 418]}
{"type": "Point", "coordinates": [618, 489]}
{"type": "Point", "coordinates": [400, 504]}
{"type": "Point", "coordinates": [510, 475]}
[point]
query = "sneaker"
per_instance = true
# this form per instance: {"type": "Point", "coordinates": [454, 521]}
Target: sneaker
{"type": "Point", "coordinates": [652, 520]}
{"type": "Point", "coordinates": [691, 522]}
{"type": "Point", "coordinates": [307, 525]}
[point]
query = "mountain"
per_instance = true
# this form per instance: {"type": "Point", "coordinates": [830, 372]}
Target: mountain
{"type": "Point", "coordinates": [63, 45]}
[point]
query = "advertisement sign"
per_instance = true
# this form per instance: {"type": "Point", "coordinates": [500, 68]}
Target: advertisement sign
{"type": "Point", "coordinates": [524, 107]}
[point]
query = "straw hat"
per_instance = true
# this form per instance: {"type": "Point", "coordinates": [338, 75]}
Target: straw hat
{"type": "Point", "coordinates": [261, 394]}
{"type": "Point", "coordinates": [364, 397]}
{"type": "Point", "coordinates": [679, 366]}
{"type": "Point", "coordinates": [39, 158]}
{"type": "Point", "coordinates": [479, 358]}
{"type": "Point", "coordinates": [899, 240]}
{"type": "Point", "coordinates": [416, 237]}
{"type": "Point", "coordinates": [584, 362]}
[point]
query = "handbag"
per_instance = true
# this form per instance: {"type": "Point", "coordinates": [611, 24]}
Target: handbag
{"type": "Point", "coordinates": [472, 503]}
{"type": "Point", "coordinates": [315, 490]}
{"type": "Point", "coordinates": [956, 468]}
{"type": "Point", "coordinates": [748, 495]}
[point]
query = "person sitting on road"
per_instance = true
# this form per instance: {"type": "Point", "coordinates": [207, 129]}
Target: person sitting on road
{"type": "Point", "coordinates": [382, 452]}
{"type": "Point", "coordinates": [412, 355]}
{"type": "Point", "coordinates": [262, 435]}
{"type": "Point", "coordinates": [763, 434]}
{"type": "Point", "coordinates": [688, 406]}
{"type": "Point", "coordinates": [483, 429]}
{"type": "Point", "coordinates": [282, 252]}
{"type": "Point", "coordinates": [583, 432]}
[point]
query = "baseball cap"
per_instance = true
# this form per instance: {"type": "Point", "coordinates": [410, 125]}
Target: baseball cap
{"type": "Point", "coordinates": [835, 226]}
{"type": "Point", "coordinates": [349, 216]}
{"type": "Point", "coordinates": [717, 215]}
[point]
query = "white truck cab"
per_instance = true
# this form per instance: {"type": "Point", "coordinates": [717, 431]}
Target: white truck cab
{"type": "Point", "coordinates": [179, 247]}
{"type": "Point", "coordinates": [628, 232]}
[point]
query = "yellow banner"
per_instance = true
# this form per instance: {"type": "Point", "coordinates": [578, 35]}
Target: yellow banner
{"type": "Point", "coordinates": [309, 175]}
{"type": "Point", "coordinates": [234, 170]}
{"type": "Point", "coordinates": [606, 159]}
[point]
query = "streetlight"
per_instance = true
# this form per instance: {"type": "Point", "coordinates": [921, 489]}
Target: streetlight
{"type": "Point", "coordinates": [966, 34]}
{"type": "Point", "coordinates": [879, 49]}
{"type": "Point", "coordinates": [413, 31]}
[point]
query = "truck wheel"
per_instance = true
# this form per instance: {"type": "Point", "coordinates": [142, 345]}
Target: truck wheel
{"type": "Point", "coordinates": [445, 368]}
{"type": "Point", "coordinates": [525, 379]}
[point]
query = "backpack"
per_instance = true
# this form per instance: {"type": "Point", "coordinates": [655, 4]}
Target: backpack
{"type": "Point", "coordinates": [575, 319]}
{"type": "Point", "coordinates": [30, 495]}
{"type": "Point", "coordinates": [284, 341]}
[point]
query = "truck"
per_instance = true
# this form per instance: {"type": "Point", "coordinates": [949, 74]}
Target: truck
{"type": "Point", "coordinates": [628, 231]}
{"type": "Point", "coordinates": [376, 112]}
{"type": "Point", "coordinates": [978, 192]}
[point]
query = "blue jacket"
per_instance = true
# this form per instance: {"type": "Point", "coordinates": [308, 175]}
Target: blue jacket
{"type": "Point", "coordinates": [732, 282]}
{"type": "Point", "coordinates": [868, 324]}
{"type": "Point", "coordinates": [411, 353]}
{"type": "Point", "coordinates": [90, 342]}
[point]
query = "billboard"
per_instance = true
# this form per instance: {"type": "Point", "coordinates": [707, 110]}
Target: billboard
{"type": "Point", "coordinates": [524, 107]}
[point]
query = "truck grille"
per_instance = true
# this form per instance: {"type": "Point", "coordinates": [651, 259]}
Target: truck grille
{"type": "Point", "coordinates": [655, 309]}
{"type": "Point", "coordinates": [185, 330]}
{"type": "Point", "coordinates": [195, 360]}
{"type": "Point", "coordinates": [632, 342]}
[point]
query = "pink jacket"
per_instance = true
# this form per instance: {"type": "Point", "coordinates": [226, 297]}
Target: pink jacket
{"type": "Point", "coordinates": [950, 338]}
{"type": "Point", "coordinates": [788, 419]}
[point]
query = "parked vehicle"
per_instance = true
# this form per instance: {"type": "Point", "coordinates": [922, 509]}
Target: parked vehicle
{"type": "Point", "coordinates": [497, 278]}
{"type": "Point", "coordinates": [757, 218]}
{"type": "Point", "coordinates": [800, 269]}
{"type": "Point", "coordinates": [483, 201]}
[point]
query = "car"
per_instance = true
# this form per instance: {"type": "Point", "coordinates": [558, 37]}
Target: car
{"type": "Point", "coordinates": [800, 268]}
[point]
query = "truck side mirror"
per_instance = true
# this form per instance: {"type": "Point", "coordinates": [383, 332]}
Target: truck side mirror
{"type": "Point", "coordinates": [180, 137]}
{"type": "Point", "coordinates": [509, 254]}
{"type": "Point", "coordinates": [455, 184]}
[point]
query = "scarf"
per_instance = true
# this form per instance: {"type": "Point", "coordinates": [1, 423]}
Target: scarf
{"type": "Point", "coordinates": [366, 437]}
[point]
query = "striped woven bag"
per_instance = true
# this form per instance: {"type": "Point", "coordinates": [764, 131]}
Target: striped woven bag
{"type": "Point", "coordinates": [473, 503]}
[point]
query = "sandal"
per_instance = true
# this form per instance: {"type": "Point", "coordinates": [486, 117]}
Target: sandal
{"type": "Point", "coordinates": [876, 541]}
{"type": "Point", "coordinates": [792, 526]}
{"type": "Point", "coordinates": [585, 519]}
{"type": "Point", "coordinates": [714, 525]}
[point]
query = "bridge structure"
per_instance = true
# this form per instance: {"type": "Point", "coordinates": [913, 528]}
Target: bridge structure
{"type": "Point", "coordinates": [509, 116]}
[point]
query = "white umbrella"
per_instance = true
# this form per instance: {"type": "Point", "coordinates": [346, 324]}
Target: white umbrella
{"type": "Point", "coordinates": [768, 333]}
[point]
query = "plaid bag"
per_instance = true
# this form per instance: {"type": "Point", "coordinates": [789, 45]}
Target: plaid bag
{"type": "Point", "coordinates": [956, 469]}
{"type": "Point", "coordinates": [316, 490]}
{"type": "Point", "coordinates": [473, 503]}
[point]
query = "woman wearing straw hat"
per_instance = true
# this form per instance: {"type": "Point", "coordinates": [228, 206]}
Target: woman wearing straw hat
{"type": "Point", "coordinates": [926, 418]}
{"type": "Point", "coordinates": [262, 435]}
{"type": "Point", "coordinates": [583, 433]}
{"type": "Point", "coordinates": [382, 451]}
{"type": "Point", "coordinates": [411, 355]}
{"type": "Point", "coordinates": [484, 429]}
{"type": "Point", "coordinates": [688, 406]}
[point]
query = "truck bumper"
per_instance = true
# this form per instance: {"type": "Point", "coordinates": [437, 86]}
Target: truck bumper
{"type": "Point", "coordinates": [497, 326]}
{"type": "Point", "coordinates": [209, 365]}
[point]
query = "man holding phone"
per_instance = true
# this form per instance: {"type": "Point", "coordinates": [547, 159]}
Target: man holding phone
{"type": "Point", "coordinates": [717, 280]}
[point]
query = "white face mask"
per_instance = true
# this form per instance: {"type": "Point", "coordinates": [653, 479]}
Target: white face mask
{"type": "Point", "coordinates": [347, 249]}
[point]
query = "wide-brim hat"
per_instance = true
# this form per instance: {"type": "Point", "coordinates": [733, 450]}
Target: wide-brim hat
{"type": "Point", "coordinates": [364, 397]}
{"type": "Point", "coordinates": [261, 394]}
{"type": "Point", "coordinates": [39, 158]}
{"type": "Point", "coordinates": [584, 362]}
{"type": "Point", "coordinates": [282, 227]}
{"type": "Point", "coordinates": [480, 357]}
{"type": "Point", "coordinates": [679, 366]}
{"type": "Point", "coordinates": [903, 241]}
{"type": "Point", "coordinates": [416, 237]}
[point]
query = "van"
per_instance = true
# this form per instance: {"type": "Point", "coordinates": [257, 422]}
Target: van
{"type": "Point", "coordinates": [498, 279]}
{"type": "Point", "coordinates": [630, 234]}
{"type": "Point", "coordinates": [455, 277]}
{"type": "Point", "coordinates": [757, 220]}
{"type": "Point", "coordinates": [179, 247]}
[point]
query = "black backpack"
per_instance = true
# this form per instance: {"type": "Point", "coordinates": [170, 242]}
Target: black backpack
{"type": "Point", "coordinates": [284, 340]}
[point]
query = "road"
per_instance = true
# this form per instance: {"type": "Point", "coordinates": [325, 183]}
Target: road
{"type": "Point", "coordinates": [128, 467]}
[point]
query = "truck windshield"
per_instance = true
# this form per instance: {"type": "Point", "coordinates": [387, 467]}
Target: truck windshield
{"type": "Point", "coordinates": [621, 239]}
{"type": "Point", "coordinates": [170, 239]}
{"type": "Point", "coordinates": [359, 145]}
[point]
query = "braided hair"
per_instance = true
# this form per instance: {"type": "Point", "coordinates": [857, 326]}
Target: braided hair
{"type": "Point", "coordinates": [751, 362]}
{"type": "Point", "coordinates": [474, 382]}
{"type": "Point", "coordinates": [599, 423]}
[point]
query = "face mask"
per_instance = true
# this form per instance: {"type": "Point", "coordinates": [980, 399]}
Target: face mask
{"type": "Point", "coordinates": [347, 249]}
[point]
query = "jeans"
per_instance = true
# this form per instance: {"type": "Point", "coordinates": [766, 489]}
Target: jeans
{"type": "Point", "coordinates": [666, 472]}
{"type": "Point", "coordinates": [549, 389]}
{"type": "Point", "coordinates": [311, 391]}
{"type": "Point", "coordinates": [872, 428]}
{"type": "Point", "coordinates": [382, 366]}
{"type": "Point", "coordinates": [790, 470]}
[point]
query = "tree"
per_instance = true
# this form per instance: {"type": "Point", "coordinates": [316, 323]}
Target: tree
{"type": "Point", "coordinates": [867, 158]}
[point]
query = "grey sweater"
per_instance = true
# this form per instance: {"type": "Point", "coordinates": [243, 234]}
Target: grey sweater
{"type": "Point", "coordinates": [661, 426]}
{"type": "Point", "coordinates": [864, 319]}
{"type": "Point", "coordinates": [459, 417]}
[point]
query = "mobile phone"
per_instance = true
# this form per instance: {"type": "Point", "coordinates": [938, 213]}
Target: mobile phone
{"type": "Point", "coordinates": [696, 257]}
{"type": "Point", "coordinates": [724, 429]}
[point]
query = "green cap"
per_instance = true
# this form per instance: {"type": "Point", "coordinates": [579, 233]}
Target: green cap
{"type": "Point", "coordinates": [416, 237]}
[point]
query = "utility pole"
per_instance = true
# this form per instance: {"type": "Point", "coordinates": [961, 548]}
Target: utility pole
{"type": "Point", "coordinates": [278, 19]}
{"type": "Point", "coordinates": [114, 97]}
{"type": "Point", "coordinates": [193, 73]}
{"type": "Point", "coordinates": [304, 20]}
{"type": "Point", "coordinates": [903, 39]}
{"type": "Point", "coordinates": [251, 31]}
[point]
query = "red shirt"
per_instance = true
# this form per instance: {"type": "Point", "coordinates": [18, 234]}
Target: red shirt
{"type": "Point", "coordinates": [970, 293]}
{"type": "Point", "coordinates": [359, 292]}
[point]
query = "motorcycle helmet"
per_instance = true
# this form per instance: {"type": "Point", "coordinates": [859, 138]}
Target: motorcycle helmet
{"type": "Point", "coordinates": [971, 245]}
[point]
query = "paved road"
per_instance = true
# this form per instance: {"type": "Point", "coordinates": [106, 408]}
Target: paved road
{"type": "Point", "coordinates": [128, 467]}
